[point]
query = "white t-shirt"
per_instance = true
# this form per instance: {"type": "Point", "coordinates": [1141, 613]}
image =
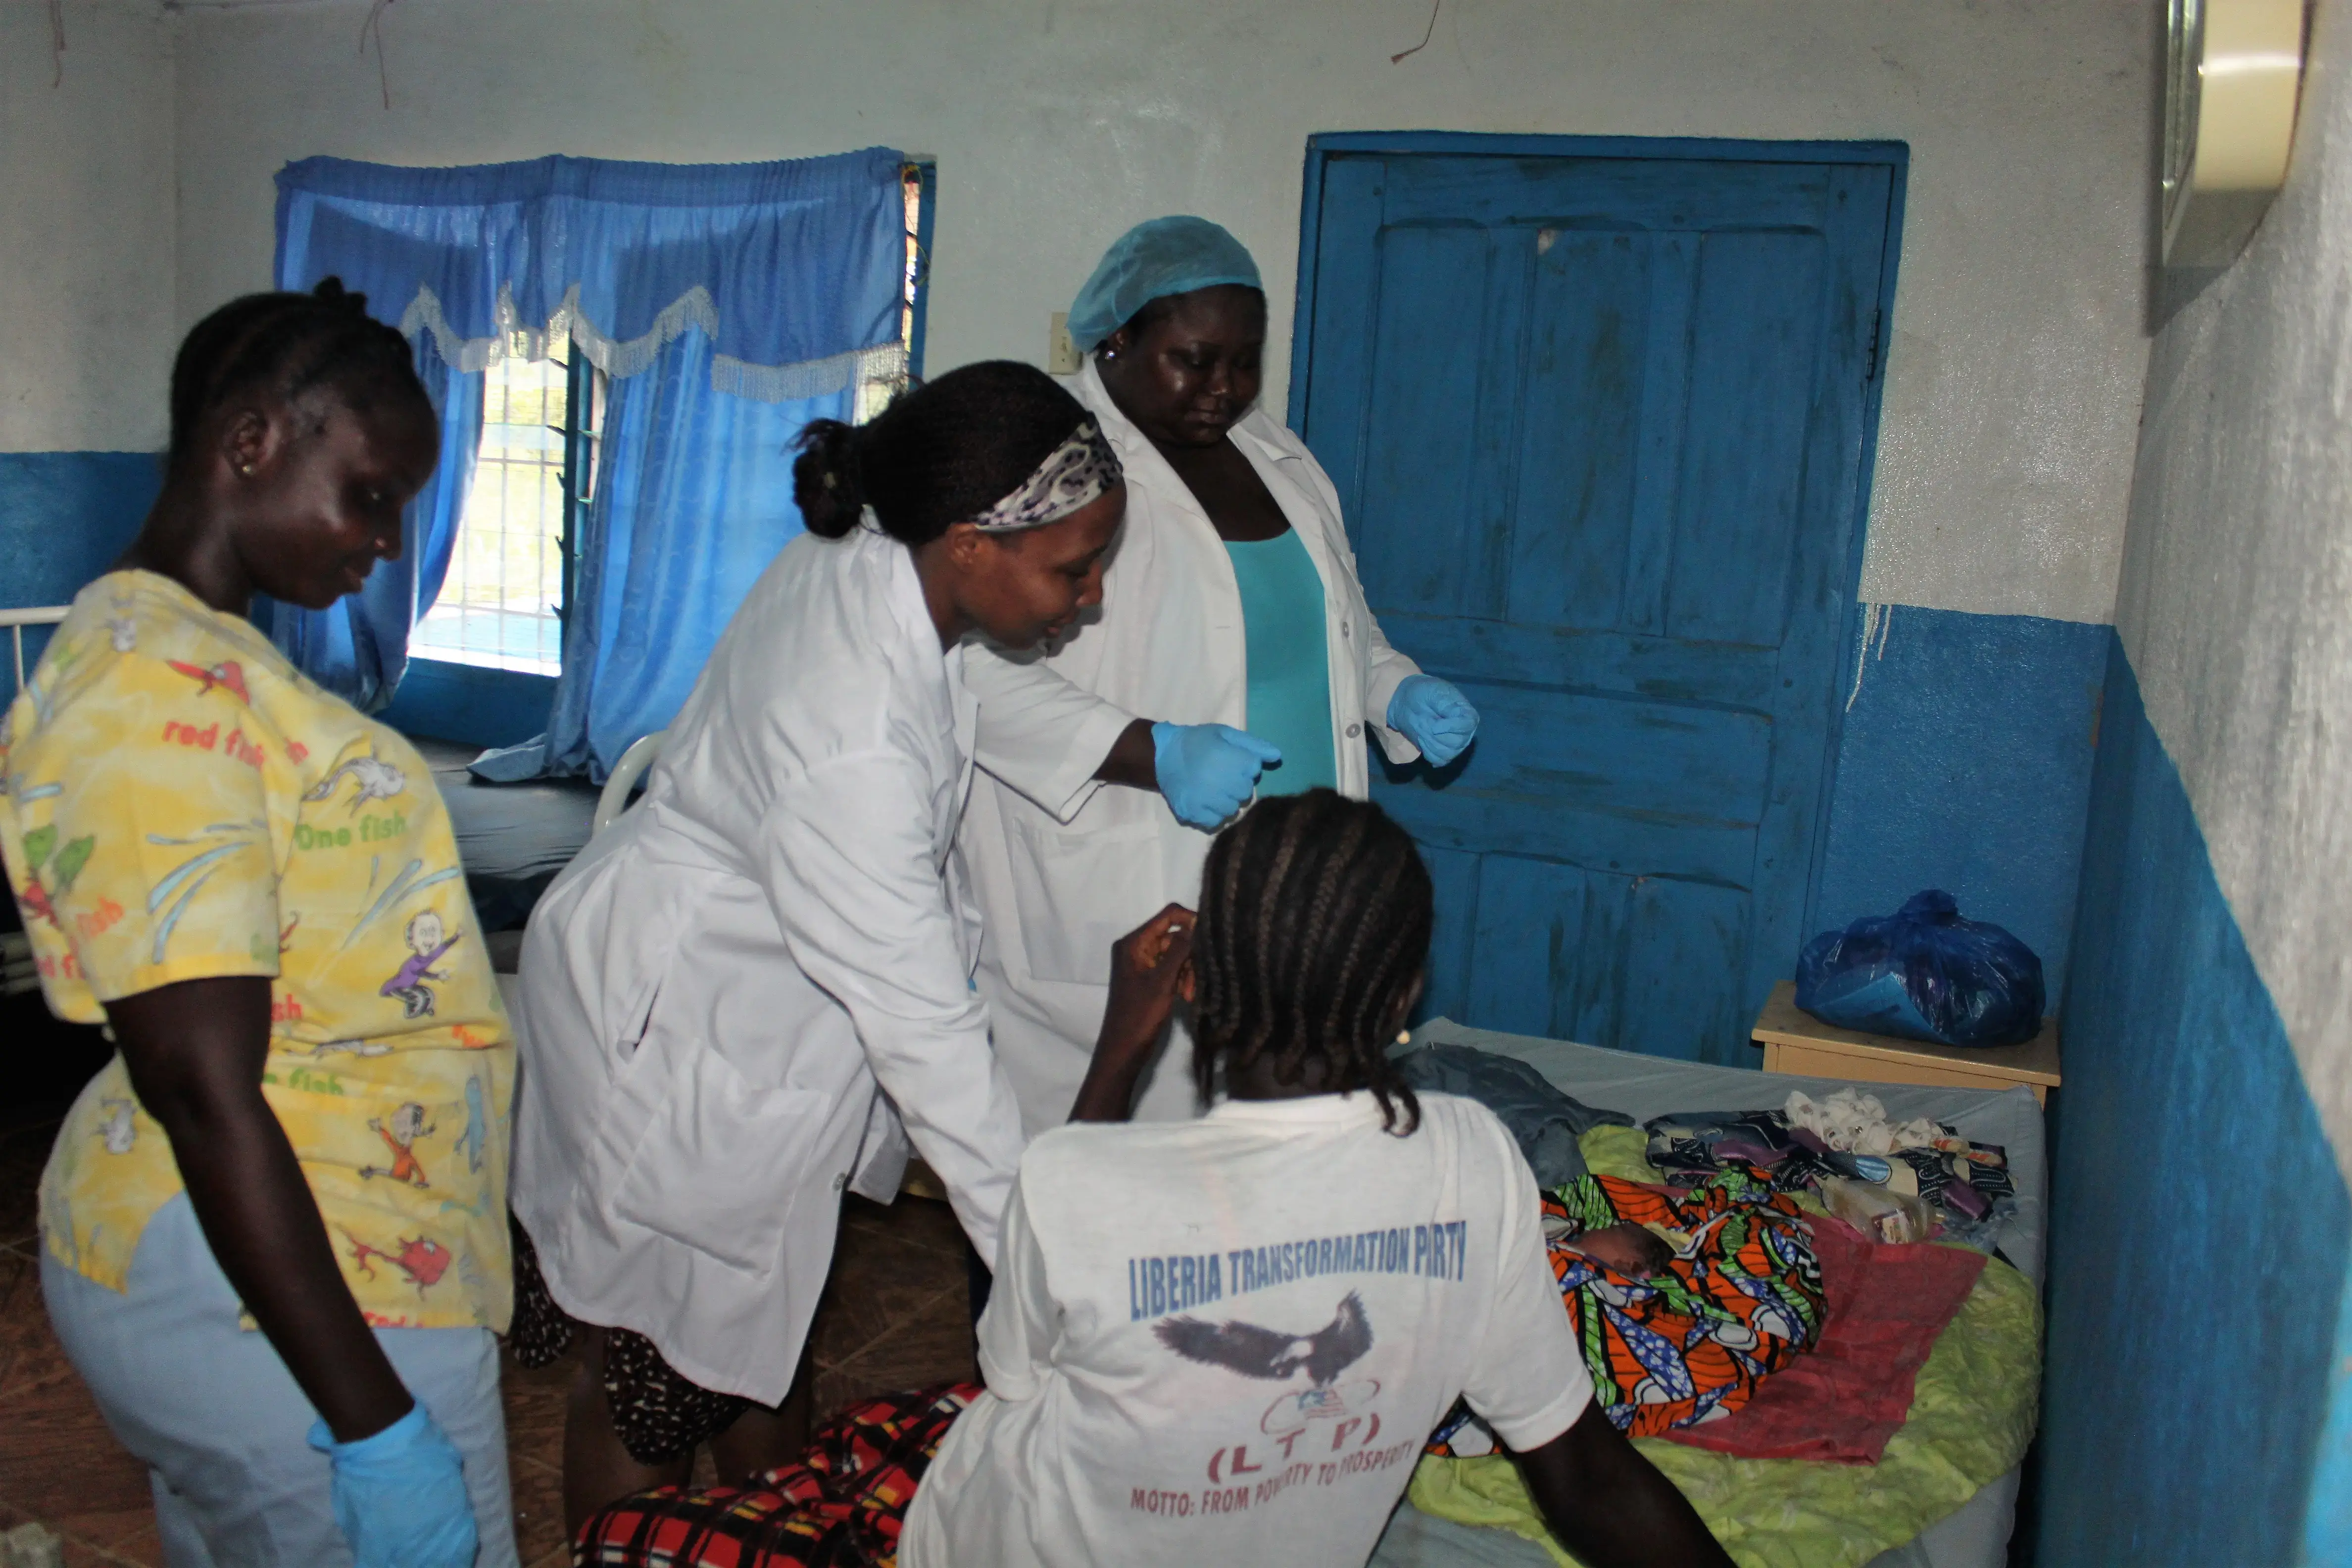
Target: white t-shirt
{"type": "Point", "coordinates": [1227, 1340]}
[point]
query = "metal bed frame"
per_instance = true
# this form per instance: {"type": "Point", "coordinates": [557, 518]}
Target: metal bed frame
{"type": "Point", "coordinates": [17, 972]}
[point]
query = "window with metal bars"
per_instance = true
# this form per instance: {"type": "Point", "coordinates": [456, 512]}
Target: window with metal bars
{"type": "Point", "coordinates": [502, 604]}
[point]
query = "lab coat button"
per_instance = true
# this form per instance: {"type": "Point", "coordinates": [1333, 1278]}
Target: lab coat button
{"type": "Point", "coordinates": [1343, 628]}
{"type": "Point", "coordinates": [1354, 731]}
{"type": "Point", "coordinates": [840, 1181]}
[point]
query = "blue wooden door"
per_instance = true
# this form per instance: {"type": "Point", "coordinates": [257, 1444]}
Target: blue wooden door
{"type": "Point", "coordinates": [1599, 426]}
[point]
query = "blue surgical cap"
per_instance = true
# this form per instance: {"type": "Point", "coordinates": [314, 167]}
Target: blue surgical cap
{"type": "Point", "coordinates": [1166, 256]}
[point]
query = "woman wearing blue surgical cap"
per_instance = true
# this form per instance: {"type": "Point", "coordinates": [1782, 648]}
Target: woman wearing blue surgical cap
{"type": "Point", "coordinates": [1233, 656]}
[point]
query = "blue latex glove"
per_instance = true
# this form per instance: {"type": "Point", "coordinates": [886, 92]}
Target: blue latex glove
{"type": "Point", "coordinates": [400, 1495]}
{"type": "Point", "coordinates": [1434, 717]}
{"type": "Point", "coordinates": [1208, 771]}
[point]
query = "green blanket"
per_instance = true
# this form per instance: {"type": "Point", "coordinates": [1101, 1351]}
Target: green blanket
{"type": "Point", "coordinates": [1972, 1413]}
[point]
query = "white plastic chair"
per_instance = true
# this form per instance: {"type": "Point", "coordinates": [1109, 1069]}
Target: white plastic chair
{"type": "Point", "coordinates": [624, 780]}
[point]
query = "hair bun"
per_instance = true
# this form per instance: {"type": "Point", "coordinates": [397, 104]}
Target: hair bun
{"type": "Point", "coordinates": [330, 290]}
{"type": "Point", "coordinates": [828, 478]}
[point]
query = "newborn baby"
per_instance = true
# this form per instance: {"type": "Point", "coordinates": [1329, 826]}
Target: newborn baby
{"type": "Point", "coordinates": [1632, 1250]}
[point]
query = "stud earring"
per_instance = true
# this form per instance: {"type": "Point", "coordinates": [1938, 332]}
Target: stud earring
{"type": "Point", "coordinates": [246, 468]}
{"type": "Point", "coordinates": [1405, 1036]}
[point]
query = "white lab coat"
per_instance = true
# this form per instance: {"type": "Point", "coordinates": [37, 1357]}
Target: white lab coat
{"type": "Point", "coordinates": [1064, 867]}
{"type": "Point", "coordinates": [719, 994]}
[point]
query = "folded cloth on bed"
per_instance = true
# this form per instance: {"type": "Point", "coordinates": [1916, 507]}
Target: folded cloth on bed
{"type": "Point", "coordinates": [1545, 1122]}
{"type": "Point", "coordinates": [1966, 1182]}
{"type": "Point", "coordinates": [1739, 1301]}
{"type": "Point", "coordinates": [1841, 1402]}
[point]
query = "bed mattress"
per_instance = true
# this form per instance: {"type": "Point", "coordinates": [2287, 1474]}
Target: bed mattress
{"type": "Point", "coordinates": [511, 838]}
{"type": "Point", "coordinates": [1976, 1535]}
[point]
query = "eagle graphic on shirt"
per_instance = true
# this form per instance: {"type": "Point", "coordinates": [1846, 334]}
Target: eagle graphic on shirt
{"type": "Point", "coordinates": [1269, 1353]}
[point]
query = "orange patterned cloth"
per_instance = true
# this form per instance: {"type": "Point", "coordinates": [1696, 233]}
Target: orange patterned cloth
{"type": "Point", "coordinates": [1742, 1298]}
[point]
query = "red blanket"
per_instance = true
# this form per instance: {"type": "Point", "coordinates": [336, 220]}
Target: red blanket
{"type": "Point", "coordinates": [1842, 1401]}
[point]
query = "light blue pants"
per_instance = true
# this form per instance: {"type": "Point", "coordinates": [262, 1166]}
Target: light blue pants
{"type": "Point", "coordinates": [221, 1422]}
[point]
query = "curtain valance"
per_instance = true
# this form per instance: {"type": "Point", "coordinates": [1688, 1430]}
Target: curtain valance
{"type": "Point", "coordinates": [794, 269]}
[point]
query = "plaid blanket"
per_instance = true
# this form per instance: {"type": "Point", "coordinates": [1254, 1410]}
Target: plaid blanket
{"type": "Point", "coordinates": [842, 1505]}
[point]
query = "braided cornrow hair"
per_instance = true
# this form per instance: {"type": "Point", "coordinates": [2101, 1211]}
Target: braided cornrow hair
{"type": "Point", "coordinates": [286, 344]}
{"type": "Point", "coordinates": [1314, 920]}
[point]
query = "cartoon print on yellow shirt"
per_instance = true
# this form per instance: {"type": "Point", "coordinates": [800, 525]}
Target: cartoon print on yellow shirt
{"type": "Point", "coordinates": [425, 945]}
{"type": "Point", "coordinates": [408, 1125]}
{"type": "Point", "coordinates": [475, 1138]}
{"type": "Point", "coordinates": [228, 675]}
{"type": "Point", "coordinates": [118, 1127]}
{"type": "Point", "coordinates": [423, 1259]}
{"type": "Point", "coordinates": [379, 779]}
{"type": "Point", "coordinates": [178, 803]}
{"type": "Point", "coordinates": [122, 627]}
{"type": "Point", "coordinates": [53, 871]}
{"type": "Point", "coordinates": [219, 841]}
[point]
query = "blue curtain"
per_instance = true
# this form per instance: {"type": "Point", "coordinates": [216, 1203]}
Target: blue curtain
{"type": "Point", "coordinates": [358, 647]}
{"type": "Point", "coordinates": [694, 500]}
{"type": "Point", "coordinates": [778, 285]}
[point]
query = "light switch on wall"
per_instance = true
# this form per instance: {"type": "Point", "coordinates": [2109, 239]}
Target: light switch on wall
{"type": "Point", "coordinates": [1061, 354]}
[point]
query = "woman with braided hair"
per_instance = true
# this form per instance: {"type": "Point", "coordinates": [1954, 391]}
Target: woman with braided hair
{"type": "Point", "coordinates": [179, 833]}
{"type": "Point", "coordinates": [1226, 1341]}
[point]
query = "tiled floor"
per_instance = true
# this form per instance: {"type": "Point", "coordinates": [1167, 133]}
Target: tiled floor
{"type": "Point", "coordinates": [896, 1315]}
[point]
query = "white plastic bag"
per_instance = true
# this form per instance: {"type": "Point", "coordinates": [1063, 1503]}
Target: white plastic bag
{"type": "Point", "coordinates": [1879, 1214]}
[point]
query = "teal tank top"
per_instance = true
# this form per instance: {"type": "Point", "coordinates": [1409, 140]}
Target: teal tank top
{"type": "Point", "coordinates": [1289, 660]}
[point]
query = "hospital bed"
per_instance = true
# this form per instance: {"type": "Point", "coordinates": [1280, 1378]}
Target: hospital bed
{"type": "Point", "coordinates": [512, 838]}
{"type": "Point", "coordinates": [17, 976]}
{"type": "Point", "coordinates": [1974, 1536]}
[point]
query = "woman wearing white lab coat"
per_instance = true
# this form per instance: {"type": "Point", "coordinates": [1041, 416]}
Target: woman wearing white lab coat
{"type": "Point", "coordinates": [1062, 865]}
{"type": "Point", "coordinates": [731, 1001]}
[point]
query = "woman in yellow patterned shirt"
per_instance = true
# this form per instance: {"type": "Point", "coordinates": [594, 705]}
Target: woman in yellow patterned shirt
{"type": "Point", "coordinates": [304, 1128]}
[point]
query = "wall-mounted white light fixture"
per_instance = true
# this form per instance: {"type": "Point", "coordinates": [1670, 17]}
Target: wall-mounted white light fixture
{"type": "Point", "coordinates": [2232, 71]}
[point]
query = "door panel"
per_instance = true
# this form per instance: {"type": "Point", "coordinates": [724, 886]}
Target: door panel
{"type": "Point", "coordinates": [1755, 332]}
{"type": "Point", "coordinates": [1530, 928]}
{"type": "Point", "coordinates": [1597, 425]}
{"type": "Point", "coordinates": [1682, 937]}
{"type": "Point", "coordinates": [1454, 879]}
{"type": "Point", "coordinates": [1423, 501]}
{"type": "Point", "coordinates": [1588, 326]}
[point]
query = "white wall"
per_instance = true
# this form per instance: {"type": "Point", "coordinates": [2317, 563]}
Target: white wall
{"type": "Point", "coordinates": [2016, 361]}
{"type": "Point", "coordinates": [88, 319]}
{"type": "Point", "coordinates": [2236, 605]}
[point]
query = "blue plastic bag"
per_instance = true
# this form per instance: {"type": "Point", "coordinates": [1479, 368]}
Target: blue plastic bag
{"type": "Point", "coordinates": [1924, 973]}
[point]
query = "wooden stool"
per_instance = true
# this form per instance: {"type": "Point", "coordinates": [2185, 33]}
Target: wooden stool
{"type": "Point", "coordinates": [1794, 1041]}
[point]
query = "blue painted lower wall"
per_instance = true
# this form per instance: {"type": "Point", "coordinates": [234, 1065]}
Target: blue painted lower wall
{"type": "Point", "coordinates": [466, 703]}
{"type": "Point", "coordinates": [1965, 764]}
{"type": "Point", "coordinates": [64, 517]}
{"type": "Point", "coordinates": [2200, 1233]}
